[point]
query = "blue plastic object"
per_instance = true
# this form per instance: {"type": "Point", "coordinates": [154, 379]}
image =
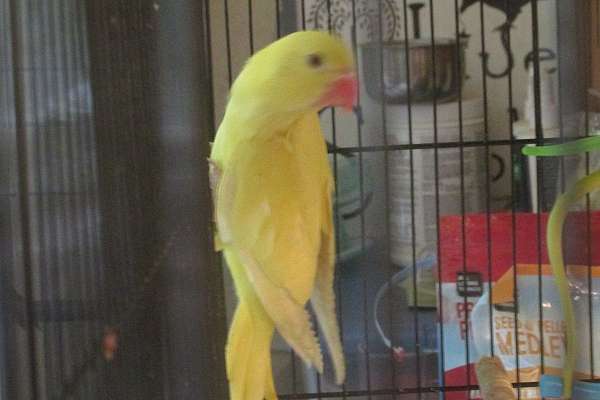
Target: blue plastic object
{"type": "Point", "coordinates": [551, 387]}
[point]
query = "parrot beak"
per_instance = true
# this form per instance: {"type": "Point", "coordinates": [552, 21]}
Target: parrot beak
{"type": "Point", "coordinates": [343, 92]}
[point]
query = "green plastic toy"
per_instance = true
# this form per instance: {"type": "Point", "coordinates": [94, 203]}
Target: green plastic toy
{"type": "Point", "coordinates": [556, 221]}
{"type": "Point", "coordinates": [565, 149]}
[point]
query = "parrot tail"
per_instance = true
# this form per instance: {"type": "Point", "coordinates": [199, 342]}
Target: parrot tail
{"type": "Point", "coordinates": [248, 353]}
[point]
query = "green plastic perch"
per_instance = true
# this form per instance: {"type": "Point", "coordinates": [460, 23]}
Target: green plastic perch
{"type": "Point", "coordinates": [556, 221]}
{"type": "Point", "coordinates": [565, 149]}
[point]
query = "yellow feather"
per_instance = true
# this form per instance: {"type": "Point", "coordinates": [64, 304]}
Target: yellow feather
{"type": "Point", "coordinates": [273, 208]}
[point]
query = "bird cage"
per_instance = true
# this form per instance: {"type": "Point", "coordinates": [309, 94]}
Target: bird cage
{"type": "Point", "coordinates": [111, 286]}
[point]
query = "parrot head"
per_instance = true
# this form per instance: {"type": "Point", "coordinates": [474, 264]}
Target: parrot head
{"type": "Point", "coordinates": [303, 71]}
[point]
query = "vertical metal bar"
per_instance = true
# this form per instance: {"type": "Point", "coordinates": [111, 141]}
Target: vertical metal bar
{"type": "Point", "coordinates": [68, 281]}
{"type": "Point", "coordinates": [278, 17]}
{"type": "Point", "coordinates": [462, 191]}
{"type": "Point", "coordinates": [102, 62]}
{"type": "Point", "coordinates": [65, 195]}
{"type": "Point", "coordinates": [146, 118]}
{"type": "Point", "coordinates": [64, 183]}
{"type": "Point", "coordinates": [559, 72]}
{"type": "Point", "coordinates": [559, 49]}
{"type": "Point", "coordinates": [387, 202]}
{"type": "Point", "coordinates": [588, 228]}
{"type": "Point", "coordinates": [216, 281]}
{"type": "Point", "coordinates": [413, 230]}
{"type": "Point", "coordinates": [132, 280]}
{"type": "Point", "coordinates": [251, 26]}
{"type": "Point", "coordinates": [539, 134]}
{"type": "Point", "coordinates": [44, 180]}
{"type": "Point", "coordinates": [437, 211]}
{"type": "Point", "coordinates": [130, 215]}
{"type": "Point", "coordinates": [39, 202]}
{"type": "Point", "coordinates": [116, 250]}
{"type": "Point", "coordinates": [587, 79]}
{"type": "Point", "coordinates": [23, 187]}
{"type": "Point", "coordinates": [487, 177]}
{"type": "Point", "coordinates": [87, 292]}
{"type": "Point", "coordinates": [128, 186]}
{"type": "Point", "coordinates": [365, 286]}
{"type": "Point", "coordinates": [292, 354]}
{"type": "Point", "coordinates": [293, 357]}
{"type": "Point", "coordinates": [127, 181]}
{"type": "Point", "coordinates": [513, 215]}
{"type": "Point", "coordinates": [436, 172]}
{"type": "Point", "coordinates": [95, 21]}
{"type": "Point", "coordinates": [119, 133]}
{"type": "Point", "coordinates": [7, 241]}
{"type": "Point", "coordinates": [336, 215]}
{"type": "Point", "coordinates": [95, 279]}
{"type": "Point", "coordinates": [228, 43]}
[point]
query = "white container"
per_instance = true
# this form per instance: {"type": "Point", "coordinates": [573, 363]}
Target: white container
{"type": "Point", "coordinates": [574, 166]}
{"type": "Point", "coordinates": [549, 107]}
{"type": "Point", "coordinates": [423, 172]}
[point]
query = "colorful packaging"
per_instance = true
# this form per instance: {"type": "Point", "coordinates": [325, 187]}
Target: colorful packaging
{"type": "Point", "coordinates": [514, 255]}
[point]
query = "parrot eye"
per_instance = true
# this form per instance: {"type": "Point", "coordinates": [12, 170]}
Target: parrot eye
{"type": "Point", "coordinates": [314, 60]}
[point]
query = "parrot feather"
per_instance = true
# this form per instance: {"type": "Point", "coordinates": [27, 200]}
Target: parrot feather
{"type": "Point", "coordinates": [214, 175]}
{"type": "Point", "coordinates": [272, 185]}
{"type": "Point", "coordinates": [323, 298]}
{"type": "Point", "coordinates": [290, 318]}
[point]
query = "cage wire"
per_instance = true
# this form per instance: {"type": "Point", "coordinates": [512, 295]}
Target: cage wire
{"type": "Point", "coordinates": [110, 286]}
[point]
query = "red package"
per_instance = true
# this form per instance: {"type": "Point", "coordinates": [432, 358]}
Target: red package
{"type": "Point", "coordinates": [492, 250]}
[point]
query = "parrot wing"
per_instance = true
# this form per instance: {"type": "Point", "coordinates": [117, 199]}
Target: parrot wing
{"type": "Point", "coordinates": [289, 317]}
{"type": "Point", "coordinates": [323, 297]}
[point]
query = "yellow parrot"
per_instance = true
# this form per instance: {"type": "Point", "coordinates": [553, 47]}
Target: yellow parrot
{"type": "Point", "coordinates": [272, 189]}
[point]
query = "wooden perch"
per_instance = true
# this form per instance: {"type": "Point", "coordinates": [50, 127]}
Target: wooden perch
{"type": "Point", "coordinates": [494, 381]}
